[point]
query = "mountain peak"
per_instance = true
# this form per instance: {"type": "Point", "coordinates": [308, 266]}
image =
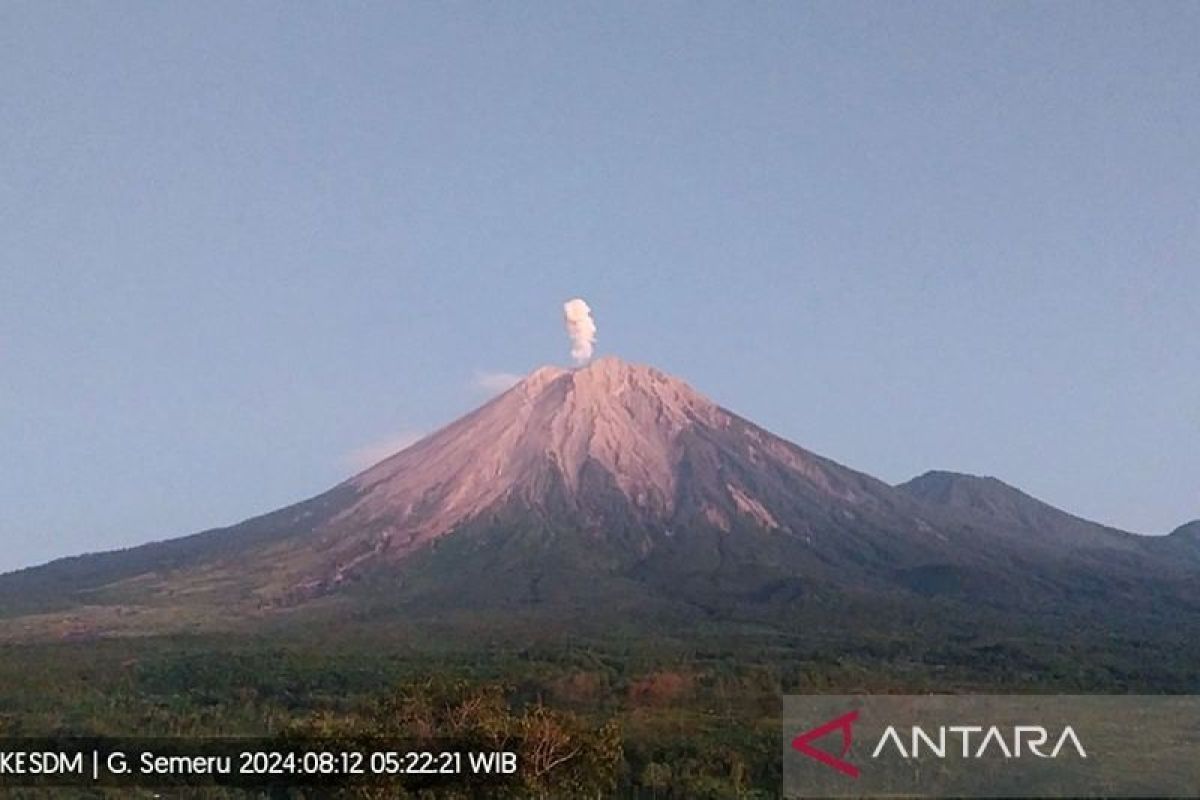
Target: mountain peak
{"type": "Point", "coordinates": [611, 370]}
{"type": "Point", "coordinates": [1189, 530]}
{"type": "Point", "coordinates": [999, 502]}
{"type": "Point", "coordinates": [609, 417]}
{"type": "Point", "coordinates": [950, 487]}
{"type": "Point", "coordinates": [600, 373]}
{"type": "Point", "coordinates": [610, 390]}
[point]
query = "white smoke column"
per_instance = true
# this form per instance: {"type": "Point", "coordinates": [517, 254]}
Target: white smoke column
{"type": "Point", "coordinates": [581, 328]}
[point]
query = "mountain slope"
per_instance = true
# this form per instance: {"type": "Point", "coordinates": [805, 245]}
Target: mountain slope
{"type": "Point", "coordinates": [613, 486]}
{"type": "Point", "coordinates": [1005, 506]}
{"type": "Point", "coordinates": [1190, 530]}
{"type": "Point", "coordinates": [631, 459]}
{"type": "Point", "coordinates": [1183, 543]}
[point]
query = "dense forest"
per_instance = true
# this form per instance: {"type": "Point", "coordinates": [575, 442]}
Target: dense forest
{"type": "Point", "coordinates": [589, 717]}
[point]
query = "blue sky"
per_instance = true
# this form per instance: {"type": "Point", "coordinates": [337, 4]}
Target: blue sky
{"type": "Point", "coordinates": [245, 246]}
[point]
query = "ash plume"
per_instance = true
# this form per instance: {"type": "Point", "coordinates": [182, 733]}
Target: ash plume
{"type": "Point", "coordinates": [581, 328]}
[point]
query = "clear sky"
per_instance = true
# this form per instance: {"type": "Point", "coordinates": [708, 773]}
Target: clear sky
{"type": "Point", "coordinates": [243, 246]}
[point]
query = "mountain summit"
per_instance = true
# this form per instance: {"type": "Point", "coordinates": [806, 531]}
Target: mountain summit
{"type": "Point", "coordinates": [1007, 506]}
{"type": "Point", "coordinates": [612, 484]}
{"type": "Point", "coordinates": [558, 428]}
{"type": "Point", "coordinates": [1190, 530]}
{"type": "Point", "coordinates": [590, 439]}
{"type": "Point", "coordinates": [621, 458]}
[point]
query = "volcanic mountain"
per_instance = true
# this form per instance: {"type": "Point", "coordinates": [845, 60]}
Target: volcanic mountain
{"type": "Point", "coordinates": [1185, 541]}
{"type": "Point", "coordinates": [1189, 531]}
{"type": "Point", "coordinates": [1003, 505]}
{"type": "Point", "coordinates": [611, 485]}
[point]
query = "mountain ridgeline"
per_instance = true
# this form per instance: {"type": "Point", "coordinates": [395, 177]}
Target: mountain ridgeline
{"type": "Point", "coordinates": [618, 492]}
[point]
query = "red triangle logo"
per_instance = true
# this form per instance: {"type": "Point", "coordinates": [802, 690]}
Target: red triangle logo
{"type": "Point", "coordinates": [803, 743]}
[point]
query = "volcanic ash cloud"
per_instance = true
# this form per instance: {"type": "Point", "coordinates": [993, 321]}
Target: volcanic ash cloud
{"type": "Point", "coordinates": [581, 328]}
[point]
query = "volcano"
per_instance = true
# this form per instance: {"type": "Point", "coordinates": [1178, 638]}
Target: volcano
{"type": "Point", "coordinates": [618, 486]}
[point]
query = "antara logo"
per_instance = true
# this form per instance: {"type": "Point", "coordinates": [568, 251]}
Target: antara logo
{"type": "Point", "coordinates": [845, 724]}
{"type": "Point", "coordinates": [1021, 740]}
